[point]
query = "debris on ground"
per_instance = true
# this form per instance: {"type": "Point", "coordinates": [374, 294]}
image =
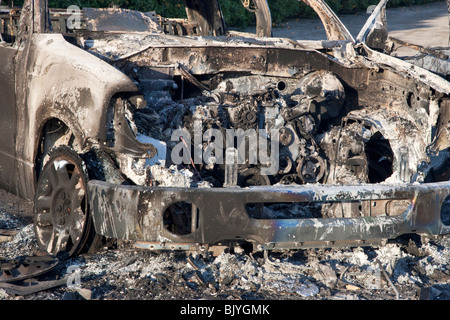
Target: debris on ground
{"type": "Point", "coordinates": [408, 269]}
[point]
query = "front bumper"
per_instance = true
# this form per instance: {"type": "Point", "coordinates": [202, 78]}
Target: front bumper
{"type": "Point", "coordinates": [136, 213]}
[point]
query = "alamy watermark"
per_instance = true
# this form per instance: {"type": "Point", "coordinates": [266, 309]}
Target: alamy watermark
{"type": "Point", "coordinates": [230, 146]}
{"type": "Point", "coordinates": [74, 20]}
{"type": "Point", "coordinates": [74, 278]}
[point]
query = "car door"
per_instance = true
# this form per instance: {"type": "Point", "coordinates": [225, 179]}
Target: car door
{"type": "Point", "coordinates": [8, 115]}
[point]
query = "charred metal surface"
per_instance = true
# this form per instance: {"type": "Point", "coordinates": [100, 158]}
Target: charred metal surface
{"type": "Point", "coordinates": [124, 140]}
{"type": "Point", "coordinates": [206, 15]}
{"type": "Point", "coordinates": [262, 15]}
{"type": "Point", "coordinates": [26, 267]}
{"type": "Point", "coordinates": [357, 139]}
{"type": "Point", "coordinates": [374, 32]}
{"type": "Point", "coordinates": [141, 211]}
{"type": "Point", "coordinates": [107, 20]}
{"type": "Point", "coordinates": [27, 287]}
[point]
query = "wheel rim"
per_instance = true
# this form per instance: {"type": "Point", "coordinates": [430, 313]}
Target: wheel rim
{"type": "Point", "coordinates": [60, 211]}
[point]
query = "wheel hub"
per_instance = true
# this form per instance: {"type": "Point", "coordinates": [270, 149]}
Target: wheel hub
{"type": "Point", "coordinates": [62, 208]}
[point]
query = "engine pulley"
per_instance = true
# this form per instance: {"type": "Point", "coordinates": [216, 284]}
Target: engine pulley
{"type": "Point", "coordinates": [311, 169]}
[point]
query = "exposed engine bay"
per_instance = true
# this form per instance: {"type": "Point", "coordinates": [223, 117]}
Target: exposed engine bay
{"type": "Point", "coordinates": [306, 116]}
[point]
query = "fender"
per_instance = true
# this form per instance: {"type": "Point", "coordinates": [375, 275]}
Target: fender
{"type": "Point", "coordinates": [64, 82]}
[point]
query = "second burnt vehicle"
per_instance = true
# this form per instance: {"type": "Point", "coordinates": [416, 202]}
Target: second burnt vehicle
{"type": "Point", "coordinates": [127, 125]}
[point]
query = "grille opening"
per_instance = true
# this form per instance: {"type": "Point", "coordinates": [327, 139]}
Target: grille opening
{"type": "Point", "coordinates": [284, 210]}
{"type": "Point", "coordinates": [341, 209]}
{"type": "Point", "coordinates": [181, 218]}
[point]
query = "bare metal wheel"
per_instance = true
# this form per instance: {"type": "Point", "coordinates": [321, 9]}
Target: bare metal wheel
{"type": "Point", "coordinates": [61, 218]}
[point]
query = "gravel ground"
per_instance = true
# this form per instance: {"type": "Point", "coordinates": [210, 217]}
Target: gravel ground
{"type": "Point", "coordinates": [408, 269]}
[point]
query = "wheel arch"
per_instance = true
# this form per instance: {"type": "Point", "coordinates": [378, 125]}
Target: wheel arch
{"type": "Point", "coordinates": [51, 133]}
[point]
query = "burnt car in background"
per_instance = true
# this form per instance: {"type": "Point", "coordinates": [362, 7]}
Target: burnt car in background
{"type": "Point", "coordinates": [105, 114]}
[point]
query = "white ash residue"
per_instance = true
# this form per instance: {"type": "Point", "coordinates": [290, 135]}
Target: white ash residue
{"type": "Point", "coordinates": [327, 274]}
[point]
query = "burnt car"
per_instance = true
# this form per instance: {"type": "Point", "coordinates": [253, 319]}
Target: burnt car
{"type": "Point", "coordinates": [181, 134]}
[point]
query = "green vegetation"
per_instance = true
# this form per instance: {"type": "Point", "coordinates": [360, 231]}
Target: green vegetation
{"type": "Point", "coordinates": [284, 9]}
{"type": "Point", "coordinates": [235, 14]}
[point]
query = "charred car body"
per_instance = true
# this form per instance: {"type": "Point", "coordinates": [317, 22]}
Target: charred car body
{"type": "Point", "coordinates": [180, 134]}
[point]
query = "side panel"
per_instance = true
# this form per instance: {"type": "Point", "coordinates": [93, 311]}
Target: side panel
{"type": "Point", "coordinates": [8, 116]}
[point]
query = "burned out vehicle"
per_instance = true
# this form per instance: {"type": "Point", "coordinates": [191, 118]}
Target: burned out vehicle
{"type": "Point", "coordinates": [180, 134]}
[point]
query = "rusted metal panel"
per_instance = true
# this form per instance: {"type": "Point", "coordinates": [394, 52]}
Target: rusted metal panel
{"type": "Point", "coordinates": [40, 16]}
{"type": "Point", "coordinates": [63, 82]}
{"type": "Point", "coordinates": [26, 267]}
{"type": "Point", "coordinates": [223, 214]}
{"type": "Point", "coordinates": [262, 15]}
{"type": "Point", "coordinates": [206, 16]}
